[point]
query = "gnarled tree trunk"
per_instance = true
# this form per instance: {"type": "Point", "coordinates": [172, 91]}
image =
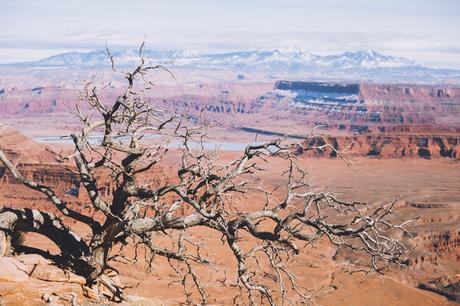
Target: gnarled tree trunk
{"type": "Point", "coordinates": [20, 220]}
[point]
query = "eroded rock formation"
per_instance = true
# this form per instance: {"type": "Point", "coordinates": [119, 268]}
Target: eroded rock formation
{"type": "Point", "coordinates": [390, 146]}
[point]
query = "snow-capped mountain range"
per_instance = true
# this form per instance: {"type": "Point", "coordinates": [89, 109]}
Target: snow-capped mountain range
{"type": "Point", "coordinates": [269, 60]}
{"type": "Point", "coordinates": [368, 64]}
{"type": "Point", "coordinates": [291, 59]}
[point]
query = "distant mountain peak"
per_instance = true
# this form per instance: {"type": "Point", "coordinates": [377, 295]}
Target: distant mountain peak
{"type": "Point", "coordinates": [361, 64]}
{"type": "Point", "coordinates": [289, 58]}
{"type": "Point", "coordinates": [368, 59]}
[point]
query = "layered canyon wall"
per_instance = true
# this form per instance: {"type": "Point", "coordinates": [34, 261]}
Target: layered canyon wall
{"type": "Point", "coordinates": [389, 146]}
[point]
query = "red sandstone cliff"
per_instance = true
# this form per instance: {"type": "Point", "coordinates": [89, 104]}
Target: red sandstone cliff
{"type": "Point", "coordinates": [390, 146]}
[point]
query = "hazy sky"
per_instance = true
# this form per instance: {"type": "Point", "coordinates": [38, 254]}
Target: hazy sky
{"type": "Point", "coordinates": [424, 30]}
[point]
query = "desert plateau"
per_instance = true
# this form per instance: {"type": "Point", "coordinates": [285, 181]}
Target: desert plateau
{"type": "Point", "coordinates": [259, 153]}
{"type": "Point", "coordinates": [402, 142]}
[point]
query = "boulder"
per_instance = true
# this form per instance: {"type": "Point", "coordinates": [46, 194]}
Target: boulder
{"type": "Point", "coordinates": [54, 274]}
{"type": "Point", "coordinates": [33, 259]}
{"type": "Point", "coordinates": [12, 270]}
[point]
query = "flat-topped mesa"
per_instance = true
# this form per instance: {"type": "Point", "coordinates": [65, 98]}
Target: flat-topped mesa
{"type": "Point", "coordinates": [380, 105]}
{"type": "Point", "coordinates": [372, 94]}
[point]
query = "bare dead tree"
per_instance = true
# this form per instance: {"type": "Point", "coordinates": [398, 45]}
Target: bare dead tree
{"type": "Point", "coordinates": [204, 193]}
